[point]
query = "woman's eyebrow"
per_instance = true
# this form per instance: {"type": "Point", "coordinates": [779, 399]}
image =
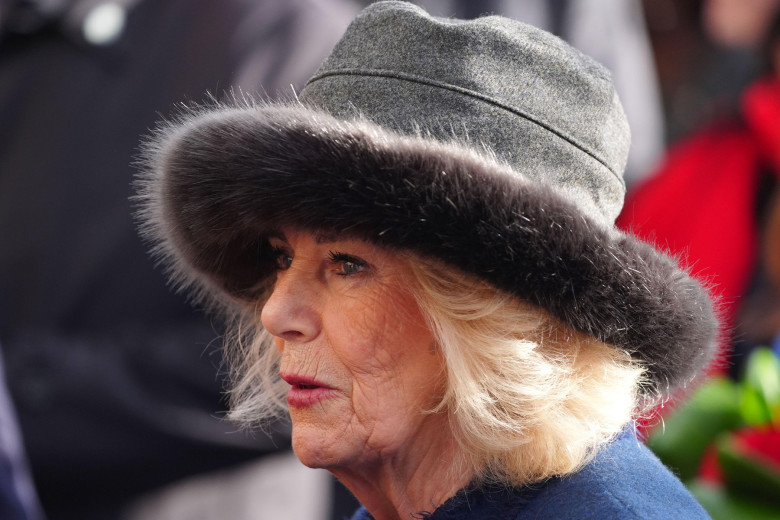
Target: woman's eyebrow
{"type": "Point", "coordinates": [322, 237]}
{"type": "Point", "coordinates": [276, 234]}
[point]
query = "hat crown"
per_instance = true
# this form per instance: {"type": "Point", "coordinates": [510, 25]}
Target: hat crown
{"type": "Point", "coordinates": [535, 102]}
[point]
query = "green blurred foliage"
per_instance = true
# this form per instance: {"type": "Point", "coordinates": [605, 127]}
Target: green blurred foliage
{"type": "Point", "coordinates": [712, 410]}
{"type": "Point", "coordinates": [709, 420]}
{"type": "Point", "coordinates": [723, 505]}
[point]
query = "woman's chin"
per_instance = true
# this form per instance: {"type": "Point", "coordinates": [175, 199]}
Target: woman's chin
{"type": "Point", "coordinates": [324, 435]}
{"type": "Point", "coordinates": [316, 450]}
{"type": "Point", "coordinates": [314, 458]}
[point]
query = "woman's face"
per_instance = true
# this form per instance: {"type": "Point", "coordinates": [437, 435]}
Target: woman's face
{"type": "Point", "coordinates": [362, 364]}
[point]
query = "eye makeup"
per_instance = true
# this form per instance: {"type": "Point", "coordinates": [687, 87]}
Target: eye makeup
{"type": "Point", "coordinates": [349, 264]}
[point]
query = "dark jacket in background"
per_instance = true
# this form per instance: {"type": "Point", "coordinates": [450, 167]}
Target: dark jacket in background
{"type": "Point", "coordinates": [115, 378]}
{"type": "Point", "coordinates": [17, 496]}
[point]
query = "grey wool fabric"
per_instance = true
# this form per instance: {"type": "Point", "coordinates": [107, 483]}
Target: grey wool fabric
{"type": "Point", "coordinates": [542, 107]}
{"type": "Point", "coordinates": [488, 144]}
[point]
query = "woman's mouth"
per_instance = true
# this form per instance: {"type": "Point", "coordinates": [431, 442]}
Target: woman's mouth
{"type": "Point", "coordinates": [305, 392]}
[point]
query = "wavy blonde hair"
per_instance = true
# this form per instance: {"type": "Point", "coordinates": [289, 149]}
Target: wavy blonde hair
{"type": "Point", "coordinates": [527, 396]}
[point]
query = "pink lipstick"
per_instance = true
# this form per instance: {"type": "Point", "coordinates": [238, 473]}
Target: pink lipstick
{"type": "Point", "coordinates": [305, 392]}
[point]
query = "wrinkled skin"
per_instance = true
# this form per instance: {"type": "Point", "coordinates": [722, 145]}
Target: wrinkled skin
{"type": "Point", "coordinates": [364, 367]}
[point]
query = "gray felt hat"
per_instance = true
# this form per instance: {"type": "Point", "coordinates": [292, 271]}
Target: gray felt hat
{"type": "Point", "coordinates": [539, 105]}
{"type": "Point", "coordinates": [488, 144]}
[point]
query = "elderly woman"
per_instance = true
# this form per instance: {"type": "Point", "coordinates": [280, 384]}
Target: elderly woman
{"type": "Point", "coordinates": [419, 259]}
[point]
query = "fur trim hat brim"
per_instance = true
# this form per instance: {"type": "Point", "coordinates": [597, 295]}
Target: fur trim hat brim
{"type": "Point", "coordinates": [218, 182]}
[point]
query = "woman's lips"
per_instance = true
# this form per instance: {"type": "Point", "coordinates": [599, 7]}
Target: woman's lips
{"type": "Point", "coordinates": [305, 391]}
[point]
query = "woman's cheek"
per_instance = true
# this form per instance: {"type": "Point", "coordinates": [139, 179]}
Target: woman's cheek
{"type": "Point", "coordinates": [356, 331]}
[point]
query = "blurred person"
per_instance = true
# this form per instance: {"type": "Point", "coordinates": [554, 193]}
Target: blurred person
{"type": "Point", "coordinates": [611, 31]}
{"type": "Point", "coordinates": [740, 24]}
{"type": "Point", "coordinates": [700, 77]}
{"type": "Point", "coordinates": [708, 200]}
{"type": "Point", "coordinates": [419, 261]}
{"type": "Point", "coordinates": [116, 380]}
{"type": "Point", "coordinates": [18, 500]}
{"type": "Point", "coordinates": [758, 320]}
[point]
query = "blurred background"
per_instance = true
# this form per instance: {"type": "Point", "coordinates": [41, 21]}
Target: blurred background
{"type": "Point", "coordinates": [115, 384]}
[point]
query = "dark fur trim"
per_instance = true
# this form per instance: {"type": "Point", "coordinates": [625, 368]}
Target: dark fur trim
{"type": "Point", "coordinates": [217, 183]}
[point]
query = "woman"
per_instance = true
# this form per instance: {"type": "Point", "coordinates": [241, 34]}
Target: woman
{"type": "Point", "coordinates": [419, 253]}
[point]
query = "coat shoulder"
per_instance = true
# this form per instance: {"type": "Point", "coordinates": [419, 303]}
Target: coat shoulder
{"type": "Point", "coordinates": [624, 481]}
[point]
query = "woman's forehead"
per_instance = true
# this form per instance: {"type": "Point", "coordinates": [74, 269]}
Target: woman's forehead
{"type": "Point", "coordinates": [321, 236]}
{"type": "Point", "coordinates": [327, 236]}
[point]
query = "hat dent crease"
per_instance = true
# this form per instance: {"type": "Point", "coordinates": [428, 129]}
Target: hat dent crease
{"type": "Point", "coordinates": [526, 202]}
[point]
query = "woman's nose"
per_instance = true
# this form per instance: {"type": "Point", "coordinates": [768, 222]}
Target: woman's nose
{"type": "Point", "coordinates": [289, 312]}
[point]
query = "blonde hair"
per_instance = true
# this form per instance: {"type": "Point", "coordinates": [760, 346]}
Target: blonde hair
{"type": "Point", "coordinates": [527, 396]}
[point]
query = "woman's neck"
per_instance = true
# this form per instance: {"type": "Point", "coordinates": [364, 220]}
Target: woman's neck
{"type": "Point", "coordinates": [417, 479]}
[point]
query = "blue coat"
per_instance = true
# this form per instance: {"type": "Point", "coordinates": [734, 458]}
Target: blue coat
{"type": "Point", "coordinates": [625, 481]}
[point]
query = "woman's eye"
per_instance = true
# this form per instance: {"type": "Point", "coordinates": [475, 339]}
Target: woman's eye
{"type": "Point", "coordinates": [283, 259]}
{"type": "Point", "coordinates": [348, 265]}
